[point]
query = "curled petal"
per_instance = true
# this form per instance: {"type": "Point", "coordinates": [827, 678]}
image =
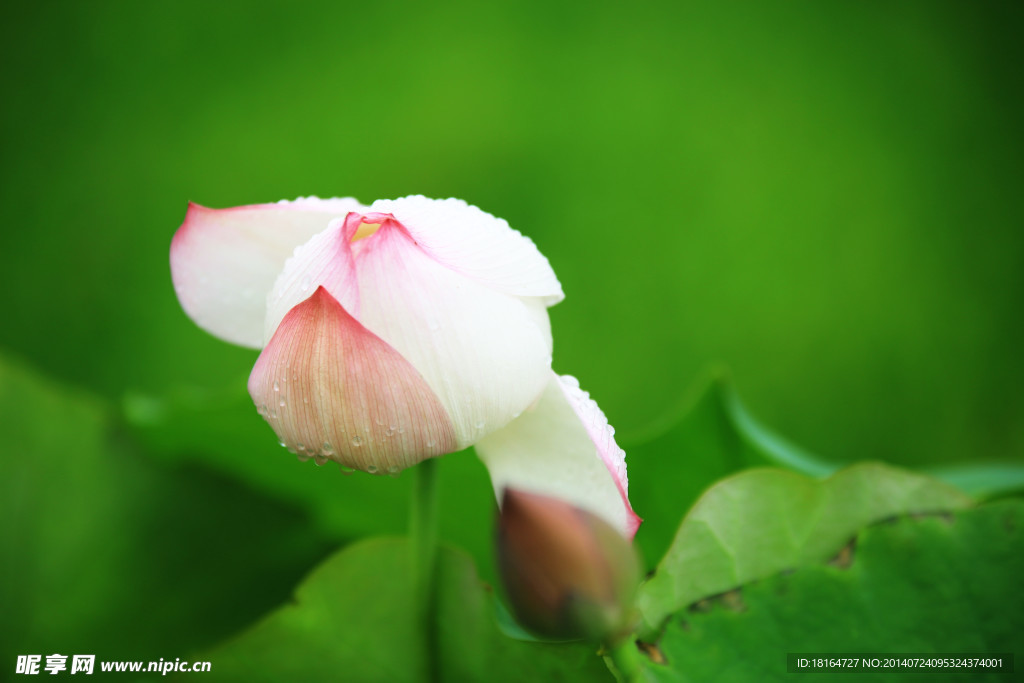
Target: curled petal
{"type": "Point", "coordinates": [225, 261]}
{"type": "Point", "coordinates": [563, 447]}
{"type": "Point", "coordinates": [476, 244]}
{"type": "Point", "coordinates": [331, 389]}
{"type": "Point", "coordinates": [485, 354]}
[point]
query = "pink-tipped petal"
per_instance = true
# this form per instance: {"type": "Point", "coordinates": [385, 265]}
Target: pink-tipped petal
{"type": "Point", "coordinates": [476, 244]}
{"type": "Point", "coordinates": [331, 389]}
{"type": "Point", "coordinates": [563, 447]}
{"type": "Point", "coordinates": [486, 355]}
{"type": "Point", "coordinates": [224, 261]}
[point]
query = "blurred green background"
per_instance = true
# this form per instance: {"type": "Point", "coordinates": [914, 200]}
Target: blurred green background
{"type": "Point", "coordinates": [823, 196]}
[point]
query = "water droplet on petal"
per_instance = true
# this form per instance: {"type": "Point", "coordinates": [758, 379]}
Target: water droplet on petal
{"type": "Point", "coordinates": [321, 459]}
{"type": "Point", "coordinates": [479, 425]}
{"type": "Point", "coordinates": [328, 449]}
{"type": "Point", "coordinates": [281, 443]}
{"type": "Point", "coordinates": [401, 430]}
{"type": "Point", "coordinates": [431, 444]}
{"type": "Point", "coordinates": [277, 385]}
{"type": "Point", "coordinates": [372, 469]}
{"type": "Point", "coordinates": [303, 457]}
{"type": "Point", "coordinates": [389, 431]}
{"type": "Point", "coordinates": [345, 469]}
{"type": "Point", "coordinates": [357, 440]}
{"type": "Point", "coordinates": [281, 403]}
{"type": "Point", "coordinates": [394, 470]}
{"type": "Point", "coordinates": [306, 282]}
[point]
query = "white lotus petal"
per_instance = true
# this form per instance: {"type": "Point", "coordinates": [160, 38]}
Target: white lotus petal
{"type": "Point", "coordinates": [225, 261]}
{"type": "Point", "coordinates": [485, 354]}
{"type": "Point", "coordinates": [563, 447]}
{"type": "Point", "coordinates": [476, 244]}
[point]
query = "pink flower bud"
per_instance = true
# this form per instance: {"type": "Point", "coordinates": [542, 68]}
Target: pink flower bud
{"type": "Point", "coordinates": [567, 572]}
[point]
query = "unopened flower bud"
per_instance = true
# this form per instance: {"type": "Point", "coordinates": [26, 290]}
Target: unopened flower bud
{"type": "Point", "coordinates": [567, 573]}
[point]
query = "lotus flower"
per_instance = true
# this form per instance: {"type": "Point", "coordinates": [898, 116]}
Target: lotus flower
{"type": "Point", "coordinates": [397, 332]}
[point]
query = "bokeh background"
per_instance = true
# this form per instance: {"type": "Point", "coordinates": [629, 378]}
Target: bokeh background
{"type": "Point", "coordinates": [823, 196]}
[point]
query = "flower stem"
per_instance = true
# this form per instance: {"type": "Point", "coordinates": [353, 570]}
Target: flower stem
{"type": "Point", "coordinates": [423, 551]}
{"type": "Point", "coordinates": [624, 661]}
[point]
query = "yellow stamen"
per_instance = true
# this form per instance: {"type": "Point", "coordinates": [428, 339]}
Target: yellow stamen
{"type": "Point", "coordinates": [365, 230]}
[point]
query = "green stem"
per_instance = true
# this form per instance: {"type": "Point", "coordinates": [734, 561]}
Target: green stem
{"type": "Point", "coordinates": [625, 661]}
{"type": "Point", "coordinates": [423, 551]}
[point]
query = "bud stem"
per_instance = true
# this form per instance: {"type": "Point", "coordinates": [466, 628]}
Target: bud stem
{"type": "Point", "coordinates": [623, 659]}
{"type": "Point", "coordinates": [423, 552]}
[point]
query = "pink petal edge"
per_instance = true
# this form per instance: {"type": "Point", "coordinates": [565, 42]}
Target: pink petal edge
{"type": "Point", "coordinates": [603, 436]}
